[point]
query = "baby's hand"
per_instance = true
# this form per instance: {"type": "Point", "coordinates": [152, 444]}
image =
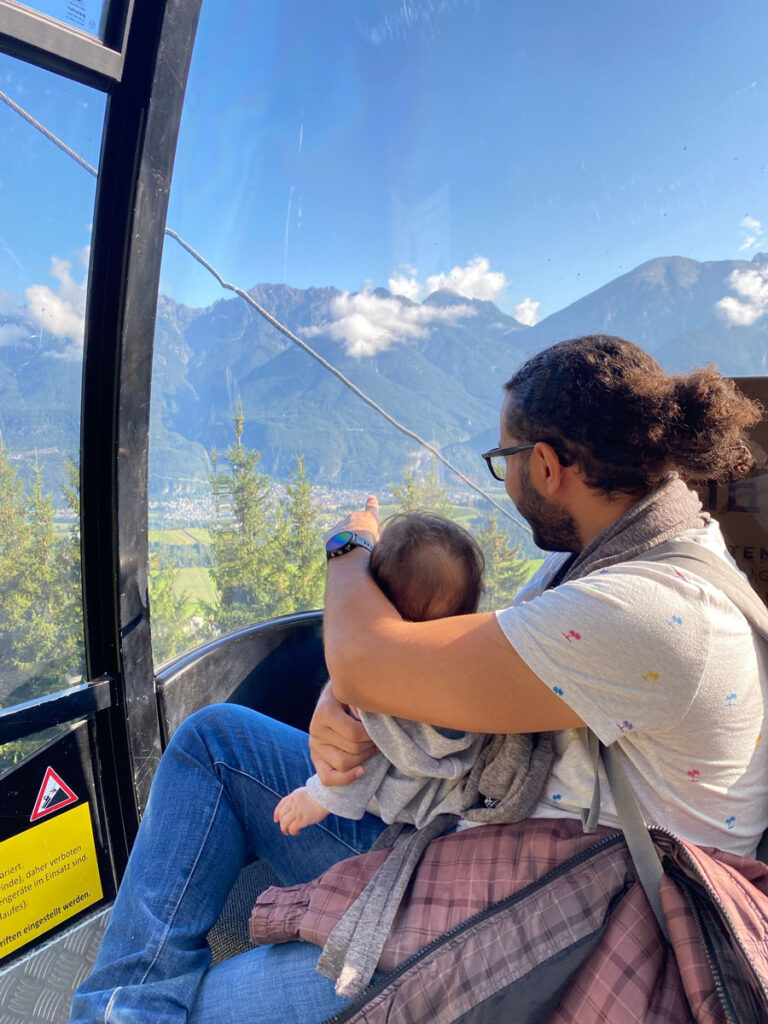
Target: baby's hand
{"type": "Point", "coordinates": [298, 810]}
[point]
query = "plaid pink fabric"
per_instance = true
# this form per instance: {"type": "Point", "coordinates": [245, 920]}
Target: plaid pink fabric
{"type": "Point", "coordinates": [740, 887]}
{"type": "Point", "coordinates": [630, 976]}
{"type": "Point", "coordinates": [459, 875]}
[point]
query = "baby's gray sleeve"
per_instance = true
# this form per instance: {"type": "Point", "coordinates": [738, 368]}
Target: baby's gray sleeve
{"type": "Point", "coordinates": [352, 800]}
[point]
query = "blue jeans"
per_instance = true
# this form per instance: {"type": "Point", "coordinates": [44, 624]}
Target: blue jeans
{"type": "Point", "coordinates": [210, 813]}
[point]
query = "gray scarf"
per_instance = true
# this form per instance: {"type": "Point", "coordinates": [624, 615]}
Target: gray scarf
{"type": "Point", "coordinates": [509, 774]}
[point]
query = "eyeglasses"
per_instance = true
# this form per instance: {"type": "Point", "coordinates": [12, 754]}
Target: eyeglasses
{"type": "Point", "coordinates": [496, 459]}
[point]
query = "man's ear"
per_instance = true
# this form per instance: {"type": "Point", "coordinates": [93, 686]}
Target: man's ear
{"type": "Point", "coordinates": [546, 468]}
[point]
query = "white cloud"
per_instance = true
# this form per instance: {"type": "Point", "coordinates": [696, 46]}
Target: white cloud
{"type": "Point", "coordinates": [527, 312]}
{"type": "Point", "coordinates": [366, 323]}
{"type": "Point", "coordinates": [752, 286]}
{"type": "Point", "coordinates": [474, 281]}
{"type": "Point", "coordinates": [61, 313]}
{"type": "Point", "coordinates": [752, 233]}
{"type": "Point", "coordinates": [406, 284]}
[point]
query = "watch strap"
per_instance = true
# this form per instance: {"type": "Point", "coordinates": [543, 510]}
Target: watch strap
{"type": "Point", "coordinates": [355, 541]}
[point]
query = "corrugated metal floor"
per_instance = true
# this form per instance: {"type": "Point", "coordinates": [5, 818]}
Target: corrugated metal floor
{"type": "Point", "coordinates": [37, 988]}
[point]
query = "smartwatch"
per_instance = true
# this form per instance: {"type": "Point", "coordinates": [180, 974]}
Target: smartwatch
{"type": "Point", "coordinates": [342, 542]}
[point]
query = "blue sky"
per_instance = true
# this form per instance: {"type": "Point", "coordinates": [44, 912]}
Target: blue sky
{"type": "Point", "coordinates": [542, 149]}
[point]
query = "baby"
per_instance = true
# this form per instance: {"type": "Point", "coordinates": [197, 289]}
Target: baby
{"type": "Point", "coordinates": [429, 568]}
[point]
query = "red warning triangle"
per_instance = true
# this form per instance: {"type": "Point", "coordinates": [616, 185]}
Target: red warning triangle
{"type": "Point", "coordinates": [54, 793]}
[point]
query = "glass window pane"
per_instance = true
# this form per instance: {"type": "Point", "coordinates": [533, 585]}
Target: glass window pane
{"type": "Point", "coordinates": [85, 15]}
{"type": "Point", "coordinates": [427, 194]}
{"type": "Point", "coordinates": [46, 210]}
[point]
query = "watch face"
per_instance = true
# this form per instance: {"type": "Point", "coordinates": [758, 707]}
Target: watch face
{"type": "Point", "coordinates": [338, 540]}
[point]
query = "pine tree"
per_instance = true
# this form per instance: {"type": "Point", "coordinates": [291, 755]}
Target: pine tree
{"type": "Point", "coordinates": [427, 494]}
{"type": "Point", "coordinates": [41, 615]}
{"type": "Point", "coordinates": [28, 630]}
{"type": "Point", "coordinates": [170, 630]}
{"type": "Point", "coordinates": [15, 534]}
{"type": "Point", "coordinates": [505, 570]}
{"type": "Point", "coordinates": [266, 552]}
{"type": "Point", "coordinates": [244, 543]}
{"type": "Point", "coordinates": [305, 560]}
{"type": "Point", "coordinates": [68, 605]}
{"type": "Point", "coordinates": [36, 649]}
{"type": "Point", "coordinates": [41, 619]}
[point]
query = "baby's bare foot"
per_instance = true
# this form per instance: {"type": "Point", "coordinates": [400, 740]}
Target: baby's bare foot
{"type": "Point", "coordinates": [298, 810]}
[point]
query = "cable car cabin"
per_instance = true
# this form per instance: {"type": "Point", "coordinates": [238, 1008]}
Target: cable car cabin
{"type": "Point", "coordinates": [440, 190]}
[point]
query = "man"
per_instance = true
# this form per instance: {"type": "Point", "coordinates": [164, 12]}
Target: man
{"type": "Point", "coordinates": [595, 443]}
{"type": "Point", "coordinates": [592, 435]}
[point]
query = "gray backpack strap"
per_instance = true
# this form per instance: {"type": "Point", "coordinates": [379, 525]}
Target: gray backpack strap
{"type": "Point", "coordinates": [636, 834]}
{"type": "Point", "coordinates": [591, 815]}
{"type": "Point", "coordinates": [712, 568]}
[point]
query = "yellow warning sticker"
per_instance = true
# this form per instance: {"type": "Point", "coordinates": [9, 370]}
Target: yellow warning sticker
{"type": "Point", "coordinates": [47, 874]}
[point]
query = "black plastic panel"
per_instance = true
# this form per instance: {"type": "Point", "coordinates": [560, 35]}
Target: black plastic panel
{"type": "Point", "coordinates": [69, 756]}
{"type": "Point", "coordinates": [276, 667]}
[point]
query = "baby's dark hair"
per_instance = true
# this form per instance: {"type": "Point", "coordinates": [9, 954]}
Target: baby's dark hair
{"type": "Point", "coordinates": [605, 404]}
{"type": "Point", "coordinates": [428, 566]}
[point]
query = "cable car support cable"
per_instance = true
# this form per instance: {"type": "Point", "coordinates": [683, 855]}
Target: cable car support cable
{"type": "Point", "coordinates": [277, 325]}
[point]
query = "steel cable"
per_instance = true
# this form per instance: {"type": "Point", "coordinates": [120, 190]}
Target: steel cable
{"type": "Point", "coordinates": [277, 325]}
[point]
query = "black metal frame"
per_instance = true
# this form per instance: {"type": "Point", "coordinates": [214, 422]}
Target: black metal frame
{"type": "Point", "coordinates": [55, 709]}
{"type": "Point", "coordinates": [138, 151]}
{"type": "Point", "coordinates": [142, 64]}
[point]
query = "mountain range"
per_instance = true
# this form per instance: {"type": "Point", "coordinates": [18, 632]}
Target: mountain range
{"type": "Point", "coordinates": [437, 366]}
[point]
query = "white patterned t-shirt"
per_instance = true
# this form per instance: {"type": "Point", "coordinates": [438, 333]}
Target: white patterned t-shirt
{"type": "Point", "coordinates": [659, 661]}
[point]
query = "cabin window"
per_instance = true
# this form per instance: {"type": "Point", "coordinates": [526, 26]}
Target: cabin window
{"type": "Point", "coordinates": [425, 195]}
{"type": "Point", "coordinates": [46, 210]}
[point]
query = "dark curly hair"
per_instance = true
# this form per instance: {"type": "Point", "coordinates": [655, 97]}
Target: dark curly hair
{"type": "Point", "coordinates": [428, 566]}
{"type": "Point", "coordinates": [606, 405]}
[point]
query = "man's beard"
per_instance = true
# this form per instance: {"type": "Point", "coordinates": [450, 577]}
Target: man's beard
{"type": "Point", "coordinates": [554, 529]}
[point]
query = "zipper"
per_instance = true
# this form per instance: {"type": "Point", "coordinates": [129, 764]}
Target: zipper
{"type": "Point", "coordinates": [722, 995]}
{"type": "Point", "coordinates": [496, 908]}
{"type": "Point", "coordinates": [712, 893]}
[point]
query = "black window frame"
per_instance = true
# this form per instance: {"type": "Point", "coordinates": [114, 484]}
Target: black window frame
{"type": "Point", "coordinates": [142, 65]}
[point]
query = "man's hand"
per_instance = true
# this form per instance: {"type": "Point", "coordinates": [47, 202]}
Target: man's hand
{"type": "Point", "coordinates": [338, 743]}
{"type": "Point", "coordinates": [365, 522]}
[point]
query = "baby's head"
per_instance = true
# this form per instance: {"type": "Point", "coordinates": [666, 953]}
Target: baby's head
{"type": "Point", "coordinates": [428, 566]}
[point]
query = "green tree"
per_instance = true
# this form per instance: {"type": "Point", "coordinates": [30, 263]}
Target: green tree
{"type": "Point", "coordinates": [41, 621]}
{"type": "Point", "coordinates": [505, 570]}
{"type": "Point", "coordinates": [32, 662]}
{"type": "Point", "coordinates": [299, 571]}
{"type": "Point", "coordinates": [171, 630]}
{"type": "Point", "coordinates": [14, 542]}
{"type": "Point", "coordinates": [267, 558]}
{"type": "Point", "coordinates": [243, 540]}
{"type": "Point", "coordinates": [36, 649]}
{"type": "Point", "coordinates": [427, 493]}
{"type": "Point", "coordinates": [68, 606]}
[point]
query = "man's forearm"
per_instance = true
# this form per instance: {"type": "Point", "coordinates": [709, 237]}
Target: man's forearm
{"type": "Point", "coordinates": [353, 606]}
{"type": "Point", "coordinates": [458, 672]}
